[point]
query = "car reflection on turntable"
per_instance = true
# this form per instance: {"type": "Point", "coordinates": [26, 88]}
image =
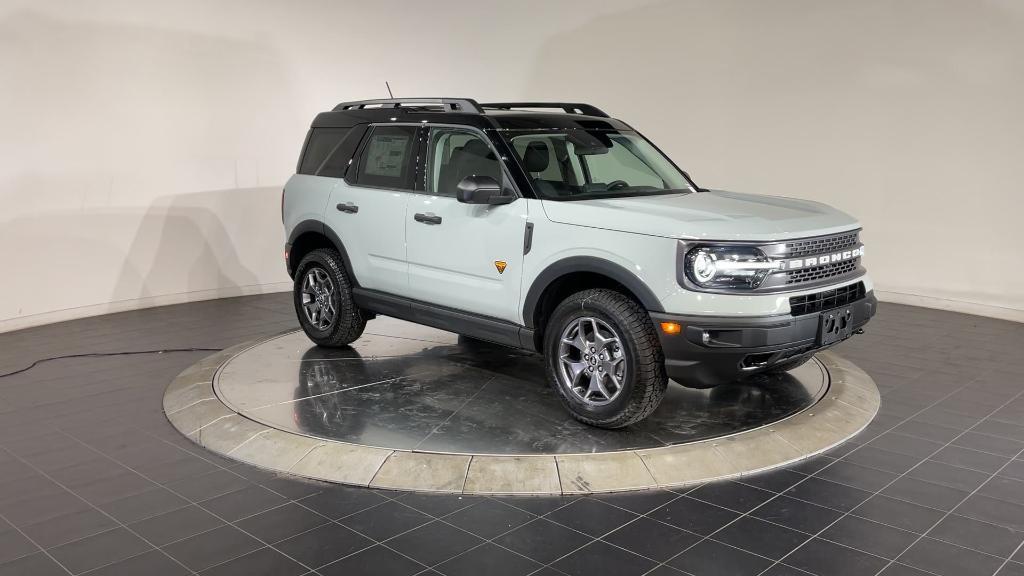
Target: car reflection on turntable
{"type": "Point", "coordinates": [342, 395]}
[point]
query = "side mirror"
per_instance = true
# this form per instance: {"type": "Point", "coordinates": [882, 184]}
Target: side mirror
{"type": "Point", "coordinates": [482, 190]}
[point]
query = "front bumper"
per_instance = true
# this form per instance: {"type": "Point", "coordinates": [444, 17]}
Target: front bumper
{"type": "Point", "coordinates": [710, 350]}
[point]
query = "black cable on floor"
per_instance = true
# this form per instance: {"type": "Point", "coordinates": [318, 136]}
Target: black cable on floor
{"type": "Point", "coordinates": [102, 354]}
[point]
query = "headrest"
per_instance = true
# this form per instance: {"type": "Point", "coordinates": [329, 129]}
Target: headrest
{"type": "Point", "coordinates": [535, 159]}
{"type": "Point", "coordinates": [476, 148]}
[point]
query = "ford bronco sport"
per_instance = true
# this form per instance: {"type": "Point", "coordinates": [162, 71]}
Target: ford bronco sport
{"type": "Point", "coordinates": [555, 228]}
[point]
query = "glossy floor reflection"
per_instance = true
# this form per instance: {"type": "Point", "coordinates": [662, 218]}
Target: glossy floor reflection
{"type": "Point", "coordinates": [94, 480]}
{"type": "Point", "coordinates": [405, 386]}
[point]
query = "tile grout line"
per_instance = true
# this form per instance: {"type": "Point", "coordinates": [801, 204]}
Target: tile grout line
{"type": "Point", "coordinates": [95, 507]}
{"type": "Point", "coordinates": [235, 471]}
{"type": "Point", "coordinates": [452, 415]}
{"type": "Point", "coordinates": [1010, 558]}
{"type": "Point", "coordinates": [886, 450]}
{"type": "Point", "coordinates": [890, 483]}
{"type": "Point", "coordinates": [535, 518]}
{"type": "Point", "coordinates": [558, 474]}
{"type": "Point", "coordinates": [900, 498]}
{"type": "Point", "coordinates": [747, 513]}
{"type": "Point", "coordinates": [964, 499]}
{"type": "Point", "coordinates": [383, 461]}
{"type": "Point", "coordinates": [655, 520]}
{"type": "Point", "coordinates": [191, 501]}
{"type": "Point", "coordinates": [261, 433]}
{"type": "Point", "coordinates": [855, 515]}
{"type": "Point", "coordinates": [844, 514]}
{"type": "Point", "coordinates": [293, 401]}
{"type": "Point", "coordinates": [432, 520]}
{"type": "Point", "coordinates": [34, 543]}
{"type": "Point", "coordinates": [296, 463]}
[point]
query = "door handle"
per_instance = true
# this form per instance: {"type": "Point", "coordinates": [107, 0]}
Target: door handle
{"type": "Point", "coordinates": [428, 218]}
{"type": "Point", "coordinates": [348, 207]}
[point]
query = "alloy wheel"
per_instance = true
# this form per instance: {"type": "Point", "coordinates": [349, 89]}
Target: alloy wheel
{"type": "Point", "coordinates": [318, 298]}
{"type": "Point", "coordinates": [591, 360]}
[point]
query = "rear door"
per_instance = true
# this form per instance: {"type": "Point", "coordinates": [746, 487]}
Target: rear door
{"type": "Point", "coordinates": [368, 208]}
{"type": "Point", "coordinates": [464, 256]}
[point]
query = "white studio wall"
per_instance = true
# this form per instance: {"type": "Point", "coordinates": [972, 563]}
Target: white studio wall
{"type": "Point", "coordinates": [143, 145]}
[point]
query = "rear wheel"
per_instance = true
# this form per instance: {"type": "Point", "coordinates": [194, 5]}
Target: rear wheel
{"type": "Point", "coordinates": [604, 358]}
{"type": "Point", "coordinates": [323, 300]}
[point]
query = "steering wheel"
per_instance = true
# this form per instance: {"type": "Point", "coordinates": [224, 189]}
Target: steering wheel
{"type": "Point", "coordinates": [618, 185]}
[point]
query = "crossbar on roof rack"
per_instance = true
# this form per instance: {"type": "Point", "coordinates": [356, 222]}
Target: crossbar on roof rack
{"type": "Point", "coordinates": [570, 107]}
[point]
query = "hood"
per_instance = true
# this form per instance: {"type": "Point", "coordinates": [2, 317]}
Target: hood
{"type": "Point", "coordinates": [710, 215]}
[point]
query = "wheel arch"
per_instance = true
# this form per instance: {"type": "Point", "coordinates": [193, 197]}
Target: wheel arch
{"type": "Point", "coordinates": [576, 273]}
{"type": "Point", "coordinates": [310, 235]}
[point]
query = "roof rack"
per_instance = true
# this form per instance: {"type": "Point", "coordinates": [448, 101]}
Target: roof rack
{"type": "Point", "coordinates": [465, 105]}
{"type": "Point", "coordinates": [570, 107]}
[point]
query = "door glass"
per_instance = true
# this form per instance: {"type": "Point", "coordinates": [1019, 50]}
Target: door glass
{"type": "Point", "coordinates": [386, 158]}
{"type": "Point", "coordinates": [454, 154]}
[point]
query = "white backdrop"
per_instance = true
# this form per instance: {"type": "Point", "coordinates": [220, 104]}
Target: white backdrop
{"type": "Point", "coordinates": [143, 145]}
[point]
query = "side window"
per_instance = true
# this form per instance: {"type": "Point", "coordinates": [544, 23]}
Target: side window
{"type": "Point", "coordinates": [386, 158]}
{"type": "Point", "coordinates": [338, 162]}
{"type": "Point", "coordinates": [454, 154]}
{"type": "Point", "coordinates": [322, 141]}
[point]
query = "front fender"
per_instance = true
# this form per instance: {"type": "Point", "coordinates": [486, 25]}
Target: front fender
{"type": "Point", "coordinates": [594, 264]}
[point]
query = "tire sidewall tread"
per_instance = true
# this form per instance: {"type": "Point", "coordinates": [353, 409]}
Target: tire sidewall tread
{"type": "Point", "coordinates": [645, 381]}
{"type": "Point", "coordinates": [350, 321]}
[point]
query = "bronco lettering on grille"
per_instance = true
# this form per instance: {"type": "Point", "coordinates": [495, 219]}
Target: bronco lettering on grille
{"type": "Point", "coordinates": [820, 260]}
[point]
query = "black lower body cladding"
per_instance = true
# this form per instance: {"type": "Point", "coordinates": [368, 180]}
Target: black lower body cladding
{"type": "Point", "coordinates": [710, 350]}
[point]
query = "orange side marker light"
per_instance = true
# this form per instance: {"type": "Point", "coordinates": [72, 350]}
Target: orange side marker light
{"type": "Point", "coordinates": [671, 328]}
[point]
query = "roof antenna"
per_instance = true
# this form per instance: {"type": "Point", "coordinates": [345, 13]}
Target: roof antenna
{"type": "Point", "coordinates": [390, 95]}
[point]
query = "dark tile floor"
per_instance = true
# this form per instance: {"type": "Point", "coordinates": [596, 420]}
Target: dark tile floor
{"type": "Point", "coordinates": [94, 480]}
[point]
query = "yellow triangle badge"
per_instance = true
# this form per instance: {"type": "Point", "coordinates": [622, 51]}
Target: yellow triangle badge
{"type": "Point", "coordinates": [500, 265]}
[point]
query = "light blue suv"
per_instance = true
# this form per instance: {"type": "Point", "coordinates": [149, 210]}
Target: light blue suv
{"type": "Point", "coordinates": [555, 228]}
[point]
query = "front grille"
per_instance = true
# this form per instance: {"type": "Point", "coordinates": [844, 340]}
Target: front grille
{"type": "Point", "coordinates": [798, 248]}
{"type": "Point", "coordinates": [815, 273]}
{"type": "Point", "coordinates": [826, 300]}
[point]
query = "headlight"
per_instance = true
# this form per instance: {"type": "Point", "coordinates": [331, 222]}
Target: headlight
{"type": "Point", "coordinates": [704, 268]}
{"type": "Point", "coordinates": [728, 266]}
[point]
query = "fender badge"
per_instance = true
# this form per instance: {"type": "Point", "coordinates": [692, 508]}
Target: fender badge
{"type": "Point", "coordinates": [500, 265]}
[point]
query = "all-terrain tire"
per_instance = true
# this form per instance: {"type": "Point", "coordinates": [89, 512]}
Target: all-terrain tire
{"type": "Point", "coordinates": [644, 381]}
{"type": "Point", "coordinates": [349, 320]}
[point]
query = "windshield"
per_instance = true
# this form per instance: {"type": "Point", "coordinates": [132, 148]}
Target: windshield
{"type": "Point", "coordinates": [576, 164]}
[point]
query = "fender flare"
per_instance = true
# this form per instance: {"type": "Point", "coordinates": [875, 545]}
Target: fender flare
{"type": "Point", "coordinates": [318, 227]}
{"type": "Point", "coordinates": [587, 264]}
{"type": "Point", "coordinates": [303, 227]}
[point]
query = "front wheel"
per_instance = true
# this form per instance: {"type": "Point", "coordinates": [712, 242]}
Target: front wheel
{"type": "Point", "coordinates": [604, 358]}
{"type": "Point", "coordinates": [323, 300]}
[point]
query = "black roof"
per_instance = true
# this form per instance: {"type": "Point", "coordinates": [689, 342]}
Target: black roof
{"type": "Point", "coordinates": [465, 111]}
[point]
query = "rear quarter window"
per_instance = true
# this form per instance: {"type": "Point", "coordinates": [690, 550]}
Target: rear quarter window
{"type": "Point", "coordinates": [321, 142]}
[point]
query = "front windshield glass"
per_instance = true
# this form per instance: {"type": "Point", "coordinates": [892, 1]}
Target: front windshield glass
{"type": "Point", "coordinates": [577, 164]}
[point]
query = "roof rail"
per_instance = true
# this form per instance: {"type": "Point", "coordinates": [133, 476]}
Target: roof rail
{"type": "Point", "coordinates": [465, 105]}
{"type": "Point", "coordinates": [570, 107]}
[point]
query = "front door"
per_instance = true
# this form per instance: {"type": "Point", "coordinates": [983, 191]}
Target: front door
{"type": "Point", "coordinates": [464, 256]}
